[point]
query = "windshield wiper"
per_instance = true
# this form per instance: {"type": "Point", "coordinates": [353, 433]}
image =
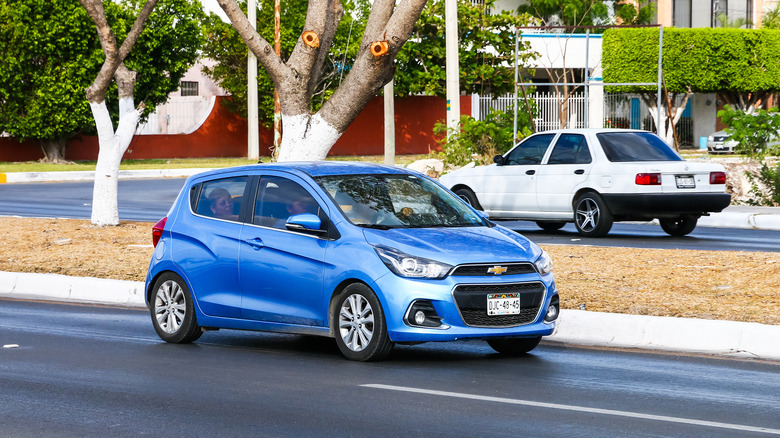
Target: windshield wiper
{"type": "Point", "coordinates": [375, 226]}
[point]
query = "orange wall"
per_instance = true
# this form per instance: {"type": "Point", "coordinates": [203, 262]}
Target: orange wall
{"type": "Point", "coordinates": [224, 134]}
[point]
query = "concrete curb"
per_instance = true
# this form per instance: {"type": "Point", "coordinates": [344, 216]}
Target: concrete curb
{"type": "Point", "coordinates": [55, 287]}
{"type": "Point", "coordinates": [722, 338]}
{"type": "Point", "coordinates": [575, 327]}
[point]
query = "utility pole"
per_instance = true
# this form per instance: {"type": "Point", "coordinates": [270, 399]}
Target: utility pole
{"type": "Point", "coordinates": [389, 101]}
{"type": "Point", "coordinates": [253, 133]}
{"type": "Point", "coordinates": [452, 64]}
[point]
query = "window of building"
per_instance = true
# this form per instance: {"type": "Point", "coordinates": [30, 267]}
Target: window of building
{"type": "Point", "coordinates": [682, 13]}
{"type": "Point", "coordinates": [189, 88]}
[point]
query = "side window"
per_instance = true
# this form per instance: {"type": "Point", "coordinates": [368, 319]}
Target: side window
{"type": "Point", "coordinates": [570, 149]}
{"type": "Point", "coordinates": [279, 198]}
{"type": "Point", "coordinates": [530, 151]}
{"type": "Point", "coordinates": [222, 198]}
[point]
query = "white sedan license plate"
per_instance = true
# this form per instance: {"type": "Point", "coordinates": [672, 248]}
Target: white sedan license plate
{"type": "Point", "coordinates": [685, 182]}
{"type": "Point", "coordinates": [503, 304]}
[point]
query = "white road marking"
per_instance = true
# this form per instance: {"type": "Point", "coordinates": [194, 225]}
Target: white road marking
{"type": "Point", "coordinates": [11, 346]}
{"type": "Point", "coordinates": [739, 427]}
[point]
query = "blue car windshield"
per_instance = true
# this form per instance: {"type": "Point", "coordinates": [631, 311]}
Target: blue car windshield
{"type": "Point", "coordinates": [635, 146]}
{"type": "Point", "coordinates": [397, 201]}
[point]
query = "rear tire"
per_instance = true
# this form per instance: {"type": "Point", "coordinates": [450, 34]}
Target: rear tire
{"type": "Point", "coordinates": [172, 310]}
{"type": "Point", "coordinates": [514, 346]}
{"type": "Point", "coordinates": [591, 216]}
{"type": "Point", "coordinates": [680, 226]}
{"type": "Point", "coordinates": [468, 197]}
{"type": "Point", "coordinates": [550, 226]}
{"type": "Point", "coordinates": [359, 324]}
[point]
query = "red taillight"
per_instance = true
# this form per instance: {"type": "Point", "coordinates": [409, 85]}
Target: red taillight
{"type": "Point", "coordinates": [717, 177]}
{"type": "Point", "coordinates": [648, 179]}
{"type": "Point", "coordinates": [157, 231]}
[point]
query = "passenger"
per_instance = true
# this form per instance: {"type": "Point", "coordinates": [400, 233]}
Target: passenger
{"type": "Point", "coordinates": [221, 204]}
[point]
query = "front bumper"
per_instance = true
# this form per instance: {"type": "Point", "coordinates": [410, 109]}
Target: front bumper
{"type": "Point", "coordinates": [649, 206]}
{"type": "Point", "coordinates": [398, 294]}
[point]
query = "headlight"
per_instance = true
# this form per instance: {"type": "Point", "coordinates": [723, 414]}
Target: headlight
{"type": "Point", "coordinates": [711, 138]}
{"type": "Point", "coordinates": [406, 265]}
{"type": "Point", "coordinates": [544, 263]}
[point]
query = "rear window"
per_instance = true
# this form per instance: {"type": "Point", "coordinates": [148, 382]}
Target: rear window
{"type": "Point", "coordinates": [635, 146]}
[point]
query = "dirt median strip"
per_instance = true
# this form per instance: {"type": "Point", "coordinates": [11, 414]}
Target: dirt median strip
{"type": "Point", "coordinates": [725, 285]}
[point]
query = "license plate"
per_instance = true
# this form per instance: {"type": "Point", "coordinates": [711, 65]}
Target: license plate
{"type": "Point", "coordinates": [685, 182]}
{"type": "Point", "coordinates": [503, 304]}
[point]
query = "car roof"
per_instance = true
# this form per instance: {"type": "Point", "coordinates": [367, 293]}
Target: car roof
{"type": "Point", "coordinates": [592, 130]}
{"type": "Point", "coordinates": [319, 168]}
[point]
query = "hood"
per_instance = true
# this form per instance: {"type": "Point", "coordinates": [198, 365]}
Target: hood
{"type": "Point", "coordinates": [457, 246]}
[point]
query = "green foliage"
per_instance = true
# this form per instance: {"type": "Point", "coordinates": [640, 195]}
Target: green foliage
{"type": "Point", "coordinates": [705, 59]}
{"type": "Point", "coordinates": [49, 55]}
{"type": "Point", "coordinates": [225, 46]}
{"type": "Point", "coordinates": [771, 18]}
{"type": "Point", "coordinates": [753, 132]}
{"type": "Point", "coordinates": [165, 50]}
{"type": "Point", "coordinates": [568, 12]}
{"type": "Point", "coordinates": [486, 51]}
{"type": "Point", "coordinates": [44, 69]}
{"type": "Point", "coordinates": [630, 14]}
{"type": "Point", "coordinates": [769, 178]}
{"type": "Point", "coordinates": [480, 140]}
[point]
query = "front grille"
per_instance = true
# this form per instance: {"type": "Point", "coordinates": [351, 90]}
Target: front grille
{"type": "Point", "coordinates": [472, 303]}
{"type": "Point", "coordinates": [482, 269]}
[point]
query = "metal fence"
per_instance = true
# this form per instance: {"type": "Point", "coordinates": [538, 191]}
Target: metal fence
{"type": "Point", "coordinates": [620, 111]}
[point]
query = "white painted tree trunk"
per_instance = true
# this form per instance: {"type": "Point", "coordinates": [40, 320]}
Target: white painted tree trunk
{"type": "Point", "coordinates": [306, 138]}
{"type": "Point", "coordinates": [105, 208]}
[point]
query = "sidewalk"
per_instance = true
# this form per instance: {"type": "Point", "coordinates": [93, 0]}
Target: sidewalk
{"type": "Point", "coordinates": [575, 327]}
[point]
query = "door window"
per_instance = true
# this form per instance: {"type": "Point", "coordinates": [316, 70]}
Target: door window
{"type": "Point", "coordinates": [570, 149]}
{"type": "Point", "coordinates": [222, 198]}
{"type": "Point", "coordinates": [530, 151]}
{"type": "Point", "coordinates": [279, 198]}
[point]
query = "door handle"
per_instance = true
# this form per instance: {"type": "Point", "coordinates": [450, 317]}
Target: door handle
{"type": "Point", "coordinates": [579, 171]}
{"type": "Point", "coordinates": [530, 172]}
{"type": "Point", "coordinates": [256, 243]}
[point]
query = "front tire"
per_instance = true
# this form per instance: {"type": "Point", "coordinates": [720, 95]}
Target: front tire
{"type": "Point", "coordinates": [591, 216]}
{"type": "Point", "coordinates": [360, 328]}
{"type": "Point", "coordinates": [172, 310]}
{"type": "Point", "coordinates": [679, 226]}
{"type": "Point", "coordinates": [514, 346]}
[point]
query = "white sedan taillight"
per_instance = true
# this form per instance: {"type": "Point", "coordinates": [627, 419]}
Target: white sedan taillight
{"type": "Point", "coordinates": [717, 177]}
{"type": "Point", "coordinates": [648, 179]}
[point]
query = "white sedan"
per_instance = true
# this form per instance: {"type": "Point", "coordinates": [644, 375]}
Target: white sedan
{"type": "Point", "coordinates": [594, 177]}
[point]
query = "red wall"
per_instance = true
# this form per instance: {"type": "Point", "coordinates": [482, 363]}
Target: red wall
{"type": "Point", "coordinates": [224, 134]}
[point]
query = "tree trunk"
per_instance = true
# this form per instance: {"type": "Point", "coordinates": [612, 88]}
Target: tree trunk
{"type": "Point", "coordinates": [54, 151]}
{"type": "Point", "coordinates": [310, 136]}
{"type": "Point", "coordinates": [105, 208]}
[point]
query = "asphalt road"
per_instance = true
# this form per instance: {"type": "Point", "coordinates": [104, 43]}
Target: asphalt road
{"type": "Point", "coordinates": [68, 370]}
{"type": "Point", "coordinates": [149, 200]}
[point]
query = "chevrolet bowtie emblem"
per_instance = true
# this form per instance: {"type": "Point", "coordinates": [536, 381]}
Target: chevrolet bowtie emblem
{"type": "Point", "coordinates": [497, 270]}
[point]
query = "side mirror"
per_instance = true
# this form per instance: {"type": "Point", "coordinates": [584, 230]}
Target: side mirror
{"type": "Point", "coordinates": [499, 160]}
{"type": "Point", "coordinates": [306, 222]}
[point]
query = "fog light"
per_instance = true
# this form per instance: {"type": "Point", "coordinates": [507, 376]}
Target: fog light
{"type": "Point", "coordinates": [421, 313]}
{"type": "Point", "coordinates": [552, 310]}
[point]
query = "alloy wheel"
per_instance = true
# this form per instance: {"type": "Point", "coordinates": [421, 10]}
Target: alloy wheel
{"type": "Point", "coordinates": [170, 306]}
{"type": "Point", "coordinates": [356, 322]}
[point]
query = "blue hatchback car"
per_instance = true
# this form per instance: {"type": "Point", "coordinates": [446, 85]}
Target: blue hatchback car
{"type": "Point", "coordinates": [370, 255]}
